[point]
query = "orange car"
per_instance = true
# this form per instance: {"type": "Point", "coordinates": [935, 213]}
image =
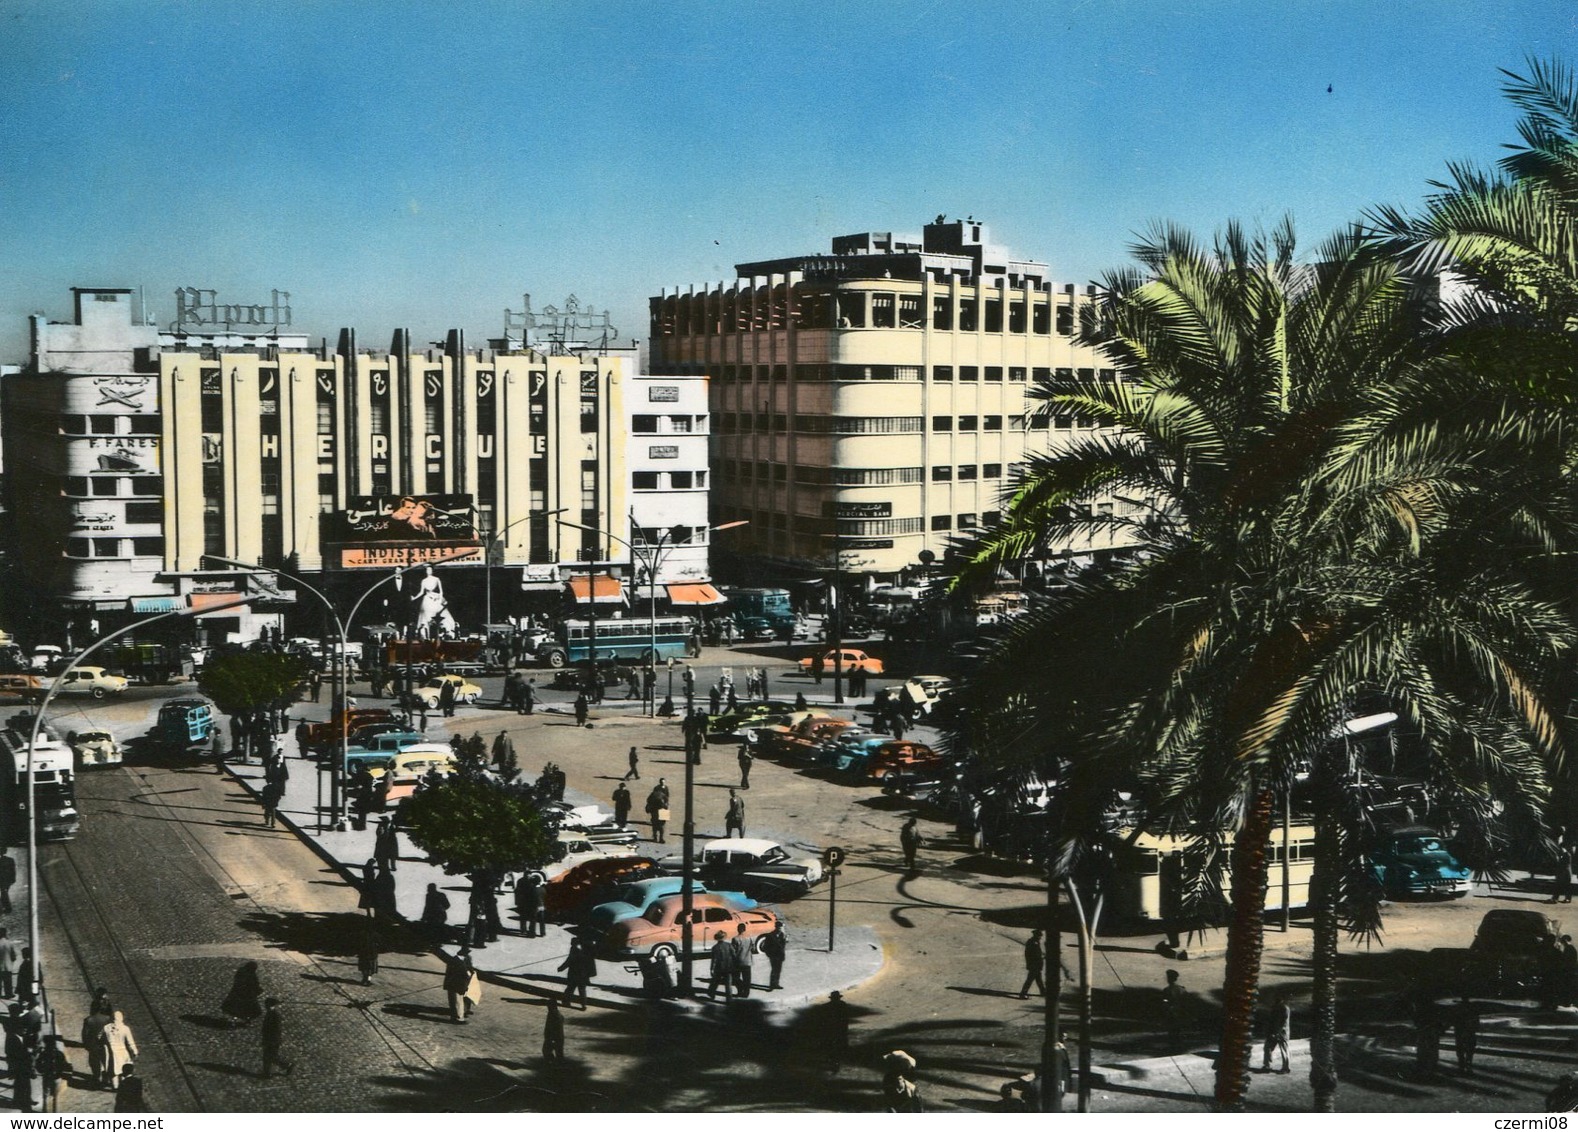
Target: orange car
{"type": "Point", "coordinates": [574, 889]}
{"type": "Point", "coordinates": [798, 742]}
{"type": "Point", "coordinates": [903, 758]}
{"type": "Point", "coordinates": [659, 929]}
{"type": "Point", "coordinates": [853, 660]}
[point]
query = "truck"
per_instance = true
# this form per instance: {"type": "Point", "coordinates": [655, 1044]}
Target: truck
{"type": "Point", "coordinates": [183, 724]}
{"type": "Point", "coordinates": [458, 656]}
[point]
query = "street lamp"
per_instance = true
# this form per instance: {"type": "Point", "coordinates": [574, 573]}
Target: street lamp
{"type": "Point", "coordinates": [336, 777]}
{"type": "Point", "coordinates": [688, 859]}
{"type": "Point", "coordinates": [496, 536]}
{"type": "Point", "coordinates": [35, 976]}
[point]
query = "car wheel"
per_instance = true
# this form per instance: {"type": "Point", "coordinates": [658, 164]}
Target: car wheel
{"type": "Point", "coordinates": [555, 659]}
{"type": "Point", "coordinates": [665, 952]}
{"type": "Point", "coordinates": [98, 693]}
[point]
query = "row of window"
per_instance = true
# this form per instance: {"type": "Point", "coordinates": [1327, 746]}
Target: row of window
{"type": "Point", "coordinates": [812, 525]}
{"type": "Point", "coordinates": [671, 424]}
{"type": "Point", "coordinates": [1041, 375]}
{"type": "Point", "coordinates": [945, 472]}
{"type": "Point", "coordinates": [669, 481]}
{"type": "Point", "coordinates": [114, 548]}
{"type": "Point", "coordinates": [107, 424]}
{"type": "Point", "coordinates": [734, 312]}
{"type": "Point", "coordinates": [108, 487]}
{"type": "Point", "coordinates": [745, 424]}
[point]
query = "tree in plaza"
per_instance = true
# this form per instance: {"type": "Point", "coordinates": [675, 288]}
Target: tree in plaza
{"type": "Point", "coordinates": [1293, 538]}
{"type": "Point", "coordinates": [248, 684]}
{"type": "Point", "coordinates": [472, 823]}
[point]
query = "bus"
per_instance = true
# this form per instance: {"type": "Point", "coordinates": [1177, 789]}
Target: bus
{"type": "Point", "coordinates": [769, 605]}
{"type": "Point", "coordinates": [1148, 872]}
{"type": "Point", "coordinates": [622, 638]}
{"type": "Point", "coordinates": [54, 788]}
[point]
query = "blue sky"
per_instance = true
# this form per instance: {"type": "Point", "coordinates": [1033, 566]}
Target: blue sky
{"type": "Point", "coordinates": [423, 164]}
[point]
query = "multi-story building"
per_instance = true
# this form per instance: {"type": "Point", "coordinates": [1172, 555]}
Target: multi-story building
{"type": "Point", "coordinates": [875, 399]}
{"type": "Point", "coordinates": [135, 455]}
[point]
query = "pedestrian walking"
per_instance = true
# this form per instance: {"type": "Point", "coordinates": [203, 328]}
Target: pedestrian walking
{"type": "Point", "coordinates": [734, 820]}
{"type": "Point", "coordinates": [1035, 960]}
{"type": "Point", "coordinates": [722, 970]}
{"type": "Point", "coordinates": [120, 1047]}
{"type": "Point", "coordinates": [385, 901]}
{"type": "Point", "coordinates": [744, 950]}
{"type": "Point", "coordinates": [835, 1029]}
{"type": "Point", "coordinates": [503, 751]}
{"type": "Point", "coordinates": [553, 1033]}
{"type": "Point", "coordinates": [100, 1015]}
{"type": "Point", "coordinates": [457, 981]}
{"type": "Point", "coordinates": [632, 687]}
{"type": "Point", "coordinates": [274, 1040]}
{"type": "Point", "coordinates": [1279, 1031]}
{"type": "Point", "coordinates": [529, 906]}
{"type": "Point", "coordinates": [635, 767]}
{"type": "Point", "coordinates": [657, 810]}
{"type": "Point", "coordinates": [7, 879]}
{"type": "Point", "coordinates": [745, 760]}
{"type": "Point", "coordinates": [386, 844]}
{"type": "Point", "coordinates": [1174, 999]}
{"type": "Point", "coordinates": [55, 1069]}
{"type": "Point", "coordinates": [435, 913]}
{"type": "Point", "coordinates": [315, 681]}
{"type": "Point", "coordinates": [529, 698]}
{"type": "Point", "coordinates": [715, 698]}
{"type": "Point", "coordinates": [1564, 875]}
{"type": "Point", "coordinates": [580, 967]}
{"type": "Point", "coordinates": [128, 1094]}
{"type": "Point", "coordinates": [622, 805]}
{"type": "Point", "coordinates": [1465, 1028]}
{"type": "Point", "coordinates": [775, 946]}
{"type": "Point", "coordinates": [446, 699]}
{"type": "Point", "coordinates": [367, 956]}
{"type": "Point", "coordinates": [580, 710]}
{"type": "Point", "coordinates": [244, 1004]}
{"type": "Point", "coordinates": [800, 702]}
{"type": "Point", "coordinates": [10, 964]}
{"type": "Point", "coordinates": [272, 794]}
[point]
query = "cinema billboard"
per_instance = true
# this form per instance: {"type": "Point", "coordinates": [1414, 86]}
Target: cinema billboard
{"type": "Point", "coordinates": [383, 531]}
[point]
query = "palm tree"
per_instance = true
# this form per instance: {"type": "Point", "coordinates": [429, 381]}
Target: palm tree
{"type": "Point", "coordinates": [1285, 519]}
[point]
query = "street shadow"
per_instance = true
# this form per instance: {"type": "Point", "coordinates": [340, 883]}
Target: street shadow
{"type": "Point", "coordinates": [326, 933]}
{"type": "Point", "coordinates": [209, 1022]}
{"type": "Point", "coordinates": [416, 1011]}
{"type": "Point", "coordinates": [222, 1068]}
{"type": "Point", "coordinates": [983, 992]}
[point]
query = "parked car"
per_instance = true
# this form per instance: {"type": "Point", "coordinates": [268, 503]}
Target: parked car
{"type": "Point", "coordinates": [95, 682]}
{"type": "Point", "coordinates": [1413, 861]}
{"type": "Point", "coordinates": [615, 675]}
{"type": "Point", "coordinates": [659, 930]}
{"type": "Point", "coordinates": [378, 752]}
{"type": "Point", "coordinates": [759, 868]}
{"type": "Point", "coordinates": [320, 734]}
{"type": "Point", "coordinates": [593, 822]}
{"type": "Point", "coordinates": [46, 659]}
{"type": "Point", "coordinates": [634, 898]}
{"type": "Point", "coordinates": [588, 881]}
{"type": "Point", "coordinates": [465, 692]}
{"type": "Point", "coordinates": [738, 724]}
{"type": "Point", "coordinates": [408, 767]}
{"type": "Point", "coordinates": [799, 742]}
{"type": "Point", "coordinates": [364, 736]}
{"type": "Point", "coordinates": [25, 686]}
{"type": "Point", "coordinates": [903, 757]}
{"type": "Point", "coordinates": [1509, 951]}
{"type": "Point", "coordinates": [94, 749]}
{"type": "Point", "coordinates": [853, 660]}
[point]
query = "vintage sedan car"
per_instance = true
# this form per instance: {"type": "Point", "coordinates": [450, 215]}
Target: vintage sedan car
{"type": "Point", "coordinates": [739, 724]}
{"type": "Point", "coordinates": [573, 679]}
{"type": "Point", "coordinates": [592, 822]}
{"type": "Point", "coordinates": [852, 660]}
{"type": "Point", "coordinates": [660, 930]}
{"type": "Point", "coordinates": [363, 736]}
{"type": "Point", "coordinates": [799, 742]}
{"type": "Point", "coordinates": [634, 898]}
{"type": "Point", "coordinates": [465, 692]}
{"type": "Point", "coordinates": [591, 880]}
{"type": "Point", "coordinates": [903, 757]}
{"type": "Point", "coordinates": [378, 752]}
{"type": "Point", "coordinates": [1413, 861]}
{"type": "Point", "coordinates": [761, 869]}
{"type": "Point", "coordinates": [848, 750]}
{"type": "Point", "coordinates": [408, 767]}
{"type": "Point", "coordinates": [94, 749]}
{"type": "Point", "coordinates": [95, 682]}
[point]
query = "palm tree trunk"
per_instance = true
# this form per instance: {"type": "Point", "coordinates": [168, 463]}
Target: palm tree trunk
{"type": "Point", "coordinates": [1245, 940]}
{"type": "Point", "coordinates": [1323, 901]}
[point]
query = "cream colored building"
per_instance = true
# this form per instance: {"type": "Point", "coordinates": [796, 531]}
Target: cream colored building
{"type": "Point", "coordinates": [132, 453]}
{"type": "Point", "coordinates": [875, 398]}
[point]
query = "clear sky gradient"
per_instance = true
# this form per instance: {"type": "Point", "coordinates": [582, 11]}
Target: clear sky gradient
{"type": "Point", "coordinates": [423, 164]}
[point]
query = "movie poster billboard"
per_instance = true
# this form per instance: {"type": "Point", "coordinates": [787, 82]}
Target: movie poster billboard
{"type": "Point", "coordinates": [405, 530]}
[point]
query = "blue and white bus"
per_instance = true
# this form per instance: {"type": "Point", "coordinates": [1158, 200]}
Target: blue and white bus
{"type": "Point", "coordinates": [638, 641]}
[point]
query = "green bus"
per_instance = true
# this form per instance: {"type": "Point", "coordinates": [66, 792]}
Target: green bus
{"type": "Point", "coordinates": [638, 641]}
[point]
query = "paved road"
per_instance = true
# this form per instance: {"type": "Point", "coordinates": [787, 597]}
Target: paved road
{"type": "Point", "coordinates": [172, 885]}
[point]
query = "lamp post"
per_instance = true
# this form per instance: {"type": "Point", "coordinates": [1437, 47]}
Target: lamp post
{"type": "Point", "coordinates": [337, 775]}
{"type": "Point", "coordinates": [36, 974]}
{"type": "Point", "coordinates": [493, 538]}
{"type": "Point", "coordinates": [688, 858]}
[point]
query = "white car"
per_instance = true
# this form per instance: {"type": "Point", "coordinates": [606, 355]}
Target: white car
{"type": "Point", "coordinates": [465, 693]}
{"type": "Point", "coordinates": [578, 849]}
{"type": "Point", "coordinates": [95, 682]}
{"type": "Point", "coordinates": [94, 748]}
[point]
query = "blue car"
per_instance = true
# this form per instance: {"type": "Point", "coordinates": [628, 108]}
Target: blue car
{"type": "Point", "coordinates": [635, 898]}
{"type": "Point", "coordinates": [1413, 861]}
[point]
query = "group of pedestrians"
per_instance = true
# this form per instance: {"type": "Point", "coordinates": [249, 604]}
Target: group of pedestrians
{"type": "Point", "coordinates": [731, 964]}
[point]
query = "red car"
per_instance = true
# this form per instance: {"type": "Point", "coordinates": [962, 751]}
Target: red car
{"type": "Point", "coordinates": [903, 758]}
{"type": "Point", "coordinates": [571, 891]}
{"type": "Point", "coordinates": [659, 929]}
{"type": "Point", "coordinates": [797, 742]}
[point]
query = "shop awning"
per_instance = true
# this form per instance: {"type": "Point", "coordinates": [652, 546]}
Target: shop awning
{"type": "Point", "coordinates": [209, 601]}
{"type": "Point", "coordinates": [157, 604]}
{"type": "Point", "coordinates": [605, 590]}
{"type": "Point", "coordinates": [694, 593]}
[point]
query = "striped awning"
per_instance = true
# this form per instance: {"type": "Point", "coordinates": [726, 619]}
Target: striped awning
{"type": "Point", "coordinates": [157, 604]}
{"type": "Point", "coordinates": [694, 593]}
{"type": "Point", "coordinates": [605, 590]}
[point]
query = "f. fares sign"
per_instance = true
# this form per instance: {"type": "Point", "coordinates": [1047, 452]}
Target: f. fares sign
{"type": "Point", "coordinates": [405, 530]}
